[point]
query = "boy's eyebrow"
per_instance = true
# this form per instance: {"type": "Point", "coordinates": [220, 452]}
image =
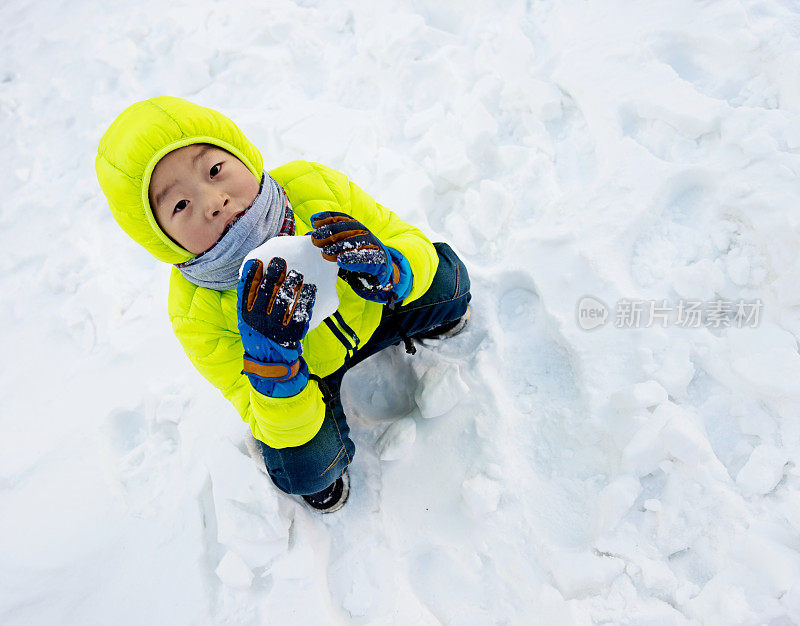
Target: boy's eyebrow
{"type": "Point", "coordinates": [163, 193]}
{"type": "Point", "coordinates": [201, 154]}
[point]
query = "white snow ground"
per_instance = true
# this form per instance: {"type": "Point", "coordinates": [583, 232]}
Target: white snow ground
{"type": "Point", "coordinates": [533, 472]}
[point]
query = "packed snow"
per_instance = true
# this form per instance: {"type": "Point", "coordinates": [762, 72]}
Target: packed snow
{"type": "Point", "coordinates": [630, 163]}
{"type": "Point", "coordinates": [302, 256]}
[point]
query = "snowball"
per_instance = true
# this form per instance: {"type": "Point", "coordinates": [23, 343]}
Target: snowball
{"type": "Point", "coordinates": [303, 256]}
{"type": "Point", "coordinates": [763, 470]}
{"type": "Point", "coordinates": [397, 440]}
{"type": "Point", "coordinates": [233, 571]}
{"type": "Point", "coordinates": [440, 389]}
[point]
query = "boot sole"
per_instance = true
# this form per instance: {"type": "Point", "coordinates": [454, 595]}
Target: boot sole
{"type": "Point", "coordinates": [339, 504]}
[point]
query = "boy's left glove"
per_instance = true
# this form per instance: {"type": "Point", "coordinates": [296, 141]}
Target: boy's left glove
{"type": "Point", "coordinates": [374, 271]}
{"type": "Point", "coordinates": [274, 309]}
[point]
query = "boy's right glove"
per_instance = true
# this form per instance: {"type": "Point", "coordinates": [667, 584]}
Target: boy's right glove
{"type": "Point", "coordinates": [274, 309]}
{"type": "Point", "coordinates": [374, 271]}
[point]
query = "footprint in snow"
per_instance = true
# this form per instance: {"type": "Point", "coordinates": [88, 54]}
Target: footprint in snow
{"type": "Point", "coordinates": [693, 248]}
{"type": "Point", "coordinates": [662, 138]}
{"type": "Point", "coordinates": [574, 149]}
{"type": "Point", "coordinates": [535, 366]}
{"type": "Point", "coordinates": [140, 453]}
{"type": "Point", "coordinates": [723, 69]}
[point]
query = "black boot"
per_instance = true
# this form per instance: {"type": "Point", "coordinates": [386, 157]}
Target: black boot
{"type": "Point", "coordinates": [333, 497]}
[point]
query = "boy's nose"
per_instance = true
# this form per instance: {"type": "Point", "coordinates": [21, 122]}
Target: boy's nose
{"type": "Point", "coordinates": [216, 204]}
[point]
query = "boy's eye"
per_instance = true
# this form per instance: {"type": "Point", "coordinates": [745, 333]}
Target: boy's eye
{"type": "Point", "coordinates": [181, 205]}
{"type": "Point", "coordinates": [215, 170]}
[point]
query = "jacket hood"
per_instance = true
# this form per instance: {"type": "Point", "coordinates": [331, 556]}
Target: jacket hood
{"type": "Point", "coordinates": [137, 140]}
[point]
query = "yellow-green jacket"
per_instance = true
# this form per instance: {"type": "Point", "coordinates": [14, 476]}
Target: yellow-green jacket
{"type": "Point", "coordinates": [205, 320]}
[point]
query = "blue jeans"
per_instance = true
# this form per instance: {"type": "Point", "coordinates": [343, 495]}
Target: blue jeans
{"type": "Point", "coordinates": [312, 467]}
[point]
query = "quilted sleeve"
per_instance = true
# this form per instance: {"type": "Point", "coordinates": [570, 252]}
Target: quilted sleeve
{"type": "Point", "coordinates": [387, 226]}
{"type": "Point", "coordinates": [217, 352]}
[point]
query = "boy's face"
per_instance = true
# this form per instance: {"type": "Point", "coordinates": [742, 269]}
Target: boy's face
{"type": "Point", "coordinates": [197, 192]}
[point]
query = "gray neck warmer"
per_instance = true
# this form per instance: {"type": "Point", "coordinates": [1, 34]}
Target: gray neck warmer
{"type": "Point", "coordinates": [218, 267]}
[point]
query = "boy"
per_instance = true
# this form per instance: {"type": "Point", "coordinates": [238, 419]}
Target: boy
{"type": "Point", "coordinates": [184, 182]}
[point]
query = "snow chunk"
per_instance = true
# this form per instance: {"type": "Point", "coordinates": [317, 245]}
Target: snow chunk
{"type": "Point", "coordinates": [303, 256]}
{"type": "Point", "coordinates": [785, 286]}
{"type": "Point", "coordinates": [615, 500]}
{"type": "Point", "coordinates": [454, 166]}
{"type": "Point", "coordinates": [233, 571]}
{"type": "Point", "coordinates": [397, 440]}
{"type": "Point", "coordinates": [246, 528]}
{"type": "Point", "coordinates": [721, 602]}
{"type": "Point", "coordinates": [640, 396]}
{"type": "Point", "coordinates": [791, 600]}
{"type": "Point", "coordinates": [299, 563]}
{"type": "Point", "coordinates": [481, 495]}
{"type": "Point", "coordinates": [491, 199]}
{"type": "Point", "coordinates": [646, 449]}
{"type": "Point", "coordinates": [477, 122]}
{"type": "Point", "coordinates": [668, 360]}
{"type": "Point", "coordinates": [421, 121]}
{"type": "Point", "coordinates": [170, 409]}
{"type": "Point", "coordinates": [773, 372]}
{"type": "Point", "coordinates": [333, 131]}
{"type": "Point", "coordinates": [775, 563]}
{"type": "Point", "coordinates": [685, 441]}
{"type": "Point", "coordinates": [763, 470]}
{"type": "Point", "coordinates": [440, 390]}
{"type": "Point", "coordinates": [701, 280]}
{"type": "Point", "coordinates": [657, 576]}
{"type": "Point", "coordinates": [247, 518]}
{"type": "Point", "coordinates": [582, 574]}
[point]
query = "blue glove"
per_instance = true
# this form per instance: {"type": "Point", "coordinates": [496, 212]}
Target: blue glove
{"type": "Point", "coordinates": [274, 309]}
{"type": "Point", "coordinates": [374, 271]}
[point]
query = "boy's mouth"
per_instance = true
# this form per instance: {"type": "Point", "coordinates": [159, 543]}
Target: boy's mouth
{"type": "Point", "coordinates": [230, 224]}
